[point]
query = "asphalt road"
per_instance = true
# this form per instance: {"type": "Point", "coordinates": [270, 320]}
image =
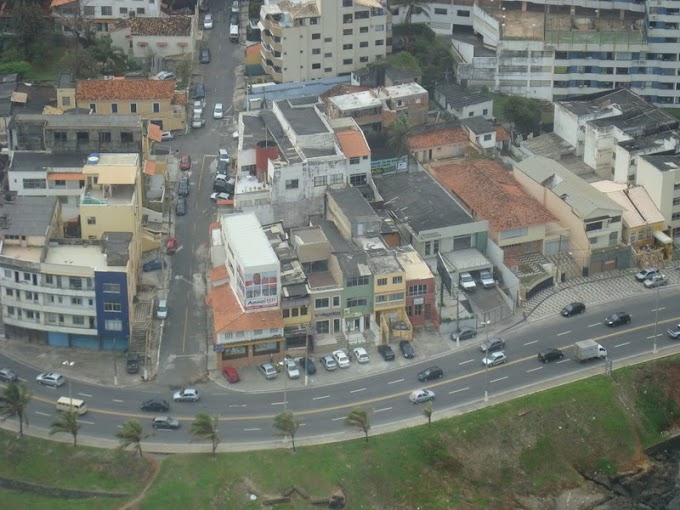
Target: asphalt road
{"type": "Point", "coordinates": [247, 417]}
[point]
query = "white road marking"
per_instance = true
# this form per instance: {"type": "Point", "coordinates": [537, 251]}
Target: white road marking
{"type": "Point", "coordinates": [458, 391]}
{"type": "Point", "coordinates": [251, 430]}
{"type": "Point", "coordinates": [383, 409]}
{"type": "Point", "coordinates": [561, 361]}
{"type": "Point", "coordinates": [237, 405]}
{"type": "Point", "coordinates": [621, 345]}
{"type": "Point", "coordinates": [658, 335]}
{"type": "Point", "coordinates": [532, 342]}
{"type": "Point", "coordinates": [337, 419]}
{"type": "Point", "coordinates": [466, 362]}
{"type": "Point", "coordinates": [319, 398]}
{"type": "Point", "coordinates": [279, 403]}
{"type": "Point", "coordinates": [658, 309]}
{"type": "Point", "coordinates": [85, 395]}
{"type": "Point", "coordinates": [593, 325]}
{"type": "Point", "coordinates": [534, 369]}
{"type": "Point", "coordinates": [86, 422]}
{"type": "Point", "coordinates": [564, 333]}
{"type": "Point", "coordinates": [119, 401]}
{"type": "Point", "coordinates": [302, 424]}
{"type": "Point", "coordinates": [42, 414]}
{"type": "Point", "coordinates": [394, 382]}
{"type": "Point", "coordinates": [357, 391]}
{"type": "Point", "coordinates": [499, 379]}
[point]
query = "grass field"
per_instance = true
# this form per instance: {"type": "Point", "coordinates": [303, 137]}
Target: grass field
{"type": "Point", "coordinates": [537, 444]}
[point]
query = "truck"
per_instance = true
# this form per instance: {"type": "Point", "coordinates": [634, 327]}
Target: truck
{"type": "Point", "coordinates": [587, 350]}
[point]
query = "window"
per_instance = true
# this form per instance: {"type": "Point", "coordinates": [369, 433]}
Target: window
{"type": "Point", "coordinates": [487, 138]}
{"type": "Point", "coordinates": [432, 247]}
{"type": "Point", "coordinates": [8, 273]}
{"type": "Point", "coordinates": [336, 301]}
{"type": "Point", "coordinates": [114, 107]}
{"type": "Point", "coordinates": [91, 220]}
{"type": "Point", "coordinates": [320, 180]}
{"type": "Point", "coordinates": [49, 279]}
{"type": "Point", "coordinates": [354, 161]}
{"type": "Point", "coordinates": [347, 3]}
{"type": "Point", "coordinates": [357, 179]}
{"type": "Point", "coordinates": [363, 44]}
{"type": "Point", "coordinates": [31, 315]}
{"type": "Point", "coordinates": [337, 179]}
{"type": "Point", "coordinates": [381, 299]}
{"type": "Point", "coordinates": [347, 31]}
{"type": "Point", "coordinates": [111, 288]}
{"type": "Point", "coordinates": [316, 51]}
{"type": "Point", "coordinates": [316, 66]}
{"type": "Point", "coordinates": [35, 184]}
{"type": "Point", "coordinates": [417, 290]}
{"type": "Point", "coordinates": [93, 108]}
{"type": "Point", "coordinates": [347, 46]}
{"type": "Point", "coordinates": [379, 28]}
{"type": "Point", "coordinates": [52, 317]}
{"type": "Point", "coordinates": [292, 184]}
{"type": "Point", "coordinates": [380, 42]}
{"type": "Point", "coordinates": [156, 107]}
{"type": "Point", "coordinates": [347, 62]}
{"type": "Point", "coordinates": [123, 10]}
{"type": "Point", "coordinates": [316, 36]}
{"type": "Point", "coordinates": [442, 12]}
{"type": "Point", "coordinates": [60, 137]}
{"type": "Point", "coordinates": [76, 301]}
{"type": "Point", "coordinates": [9, 292]}
{"type": "Point", "coordinates": [140, 10]}
{"type": "Point", "coordinates": [107, 10]}
{"type": "Point", "coordinates": [285, 313]}
{"type": "Point", "coordinates": [361, 15]}
{"type": "Point", "coordinates": [363, 30]}
{"type": "Point", "coordinates": [321, 303]}
{"type": "Point", "coordinates": [111, 306]}
{"type": "Point", "coordinates": [327, 69]}
{"type": "Point", "coordinates": [75, 283]}
{"type": "Point", "coordinates": [517, 232]}
{"type": "Point", "coordinates": [397, 279]}
{"type": "Point", "coordinates": [328, 39]}
{"type": "Point", "coordinates": [126, 137]}
{"type": "Point", "coordinates": [78, 320]}
{"type": "Point", "coordinates": [463, 14]}
{"type": "Point", "coordinates": [613, 238]}
{"type": "Point", "coordinates": [10, 310]}
{"type": "Point", "coordinates": [347, 18]}
{"type": "Point", "coordinates": [356, 302]}
{"type": "Point", "coordinates": [322, 327]}
{"type": "Point", "coordinates": [88, 10]}
{"type": "Point", "coordinates": [363, 59]}
{"type": "Point", "coordinates": [113, 325]}
{"type": "Point", "coordinates": [382, 281]}
{"type": "Point", "coordinates": [357, 281]}
{"type": "Point", "coordinates": [105, 137]}
{"type": "Point", "coordinates": [327, 55]}
{"type": "Point", "coordinates": [419, 309]}
{"type": "Point", "coordinates": [133, 107]}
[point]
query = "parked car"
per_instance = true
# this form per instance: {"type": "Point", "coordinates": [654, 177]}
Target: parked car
{"type": "Point", "coordinates": [197, 121]}
{"type": "Point", "coordinates": [308, 365]}
{"type": "Point", "coordinates": [420, 396]}
{"type": "Point", "coordinates": [204, 56]}
{"type": "Point", "coordinates": [291, 368]}
{"type": "Point", "coordinates": [617, 319]}
{"type": "Point", "coordinates": [185, 162]}
{"type": "Point", "coordinates": [223, 155]}
{"type": "Point", "coordinates": [171, 246]}
{"type": "Point", "coordinates": [183, 187]}
{"type": "Point", "coordinates": [199, 92]}
{"type": "Point", "coordinates": [218, 111]}
{"type": "Point", "coordinates": [198, 108]}
{"type": "Point", "coordinates": [550, 354]}
{"type": "Point", "coordinates": [216, 197]}
{"type": "Point", "coordinates": [222, 185]}
{"type": "Point", "coordinates": [153, 265]}
{"type": "Point", "coordinates": [162, 311]}
{"type": "Point", "coordinates": [186, 395]}
{"type": "Point", "coordinates": [132, 363]}
{"type": "Point", "coordinates": [467, 282]}
{"type": "Point", "coordinates": [208, 22]}
{"type": "Point", "coordinates": [495, 358]}
{"type": "Point", "coordinates": [430, 374]}
{"type": "Point", "coordinates": [492, 344]}
{"type": "Point", "coordinates": [464, 333]}
{"type": "Point", "coordinates": [156, 405]}
{"type": "Point", "coordinates": [7, 375]}
{"type": "Point", "coordinates": [235, 8]}
{"type": "Point", "coordinates": [166, 136]}
{"type": "Point", "coordinates": [386, 352]}
{"type": "Point", "coordinates": [361, 355]}
{"type": "Point", "coordinates": [231, 374]}
{"type": "Point", "coordinates": [181, 206]}
{"type": "Point", "coordinates": [165, 422]}
{"type": "Point", "coordinates": [573, 309]}
{"type": "Point", "coordinates": [329, 362]}
{"type": "Point", "coordinates": [486, 279]}
{"type": "Point", "coordinates": [268, 371]}
{"type": "Point", "coordinates": [222, 168]}
{"type": "Point", "coordinates": [658, 280]}
{"type": "Point", "coordinates": [674, 332]}
{"type": "Point", "coordinates": [645, 274]}
{"type": "Point", "coordinates": [407, 349]}
{"type": "Point", "coordinates": [51, 379]}
{"type": "Point", "coordinates": [341, 358]}
{"type": "Point", "coordinates": [235, 19]}
{"type": "Point", "coordinates": [166, 75]}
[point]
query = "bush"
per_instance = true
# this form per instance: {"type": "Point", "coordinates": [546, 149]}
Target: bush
{"type": "Point", "coordinates": [20, 66]}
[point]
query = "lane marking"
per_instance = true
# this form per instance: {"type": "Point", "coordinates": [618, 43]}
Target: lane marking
{"type": "Point", "coordinates": [119, 401]}
{"type": "Point", "coordinates": [319, 398]}
{"type": "Point", "coordinates": [85, 395]}
{"type": "Point", "coordinates": [466, 362]}
{"type": "Point", "coordinates": [252, 429]}
{"type": "Point", "coordinates": [237, 405]}
{"type": "Point", "coordinates": [562, 361]}
{"type": "Point", "coordinates": [499, 379]}
{"type": "Point", "coordinates": [395, 382]}
{"type": "Point", "coordinates": [337, 419]}
{"type": "Point", "coordinates": [652, 336]}
{"type": "Point", "coordinates": [534, 369]}
{"type": "Point", "coordinates": [621, 345]}
{"type": "Point", "coordinates": [279, 403]}
{"type": "Point", "coordinates": [564, 333]}
{"type": "Point", "coordinates": [458, 391]}
{"type": "Point", "coordinates": [658, 309]}
{"type": "Point", "coordinates": [383, 409]}
{"type": "Point", "coordinates": [186, 323]}
{"type": "Point", "coordinates": [42, 414]}
{"type": "Point", "coordinates": [532, 342]}
{"type": "Point", "coordinates": [86, 422]}
{"type": "Point", "coordinates": [357, 391]}
{"type": "Point", "coordinates": [593, 325]}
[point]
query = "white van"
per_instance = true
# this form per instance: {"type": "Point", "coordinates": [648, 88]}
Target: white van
{"type": "Point", "coordinates": [233, 33]}
{"type": "Point", "coordinates": [162, 311]}
{"type": "Point", "coordinates": [71, 405]}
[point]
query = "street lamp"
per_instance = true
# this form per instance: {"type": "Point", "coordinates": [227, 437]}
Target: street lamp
{"type": "Point", "coordinates": [69, 364]}
{"type": "Point", "coordinates": [486, 361]}
{"type": "Point", "coordinates": [656, 316]}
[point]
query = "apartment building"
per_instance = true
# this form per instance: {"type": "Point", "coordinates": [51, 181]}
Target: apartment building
{"type": "Point", "coordinates": [660, 175]}
{"type": "Point", "coordinates": [104, 14]}
{"type": "Point", "coordinates": [313, 39]}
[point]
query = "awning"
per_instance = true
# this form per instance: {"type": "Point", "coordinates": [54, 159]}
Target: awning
{"type": "Point", "coordinates": [71, 176]}
{"type": "Point", "coordinates": [662, 238]}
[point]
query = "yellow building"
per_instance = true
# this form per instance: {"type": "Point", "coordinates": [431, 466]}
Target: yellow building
{"type": "Point", "coordinates": [112, 198]}
{"type": "Point", "coordinates": [154, 100]}
{"type": "Point", "coordinates": [389, 297]}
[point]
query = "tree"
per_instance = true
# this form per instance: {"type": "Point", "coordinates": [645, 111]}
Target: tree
{"type": "Point", "coordinates": [403, 61]}
{"type": "Point", "coordinates": [132, 433]}
{"type": "Point", "coordinates": [80, 64]}
{"type": "Point", "coordinates": [358, 417]}
{"type": "Point", "coordinates": [111, 59]}
{"type": "Point", "coordinates": [68, 424]}
{"type": "Point", "coordinates": [427, 411]}
{"type": "Point", "coordinates": [524, 113]}
{"type": "Point", "coordinates": [13, 401]}
{"type": "Point", "coordinates": [413, 7]}
{"type": "Point", "coordinates": [287, 425]}
{"type": "Point", "coordinates": [183, 69]}
{"type": "Point", "coordinates": [205, 427]}
{"type": "Point", "coordinates": [398, 133]}
{"type": "Point", "coordinates": [31, 31]}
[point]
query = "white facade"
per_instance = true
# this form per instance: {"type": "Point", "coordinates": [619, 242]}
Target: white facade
{"type": "Point", "coordinates": [660, 175]}
{"type": "Point", "coordinates": [109, 10]}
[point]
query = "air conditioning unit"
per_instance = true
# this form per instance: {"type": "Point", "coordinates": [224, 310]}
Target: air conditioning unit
{"type": "Point", "coordinates": [346, 312]}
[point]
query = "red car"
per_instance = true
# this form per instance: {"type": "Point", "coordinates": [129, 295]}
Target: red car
{"type": "Point", "coordinates": [185, 162]}
{"type": "Point", "coordinates": [231, 374]}
{"type": "Point", "coordinates": [171, 246]}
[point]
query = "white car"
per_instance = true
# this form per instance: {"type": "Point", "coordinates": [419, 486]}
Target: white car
{"type": "Point", "coordinates": [235, 8]}
{"type": "Point", "coordinates": [420, 396]}
{"type": "Point", "coordinates": [165, 75]}
{"type": "Point", "coordinates": [186, 395]}
{"type": "Point", "coordinates": [198, 108]}
{"type": "Point", "coordinates": [291, 368]}
{"type": "Point", "coordinates": [208, 21]}
{"type": "Point", "coordinates": [218, 112]}
{"type": "Point", "coordinates": [361, 355]}
{"type": "Point", "coordinates": [166, 136]}
{"type": "Point", "coordinates": [234, 135]}
{"type": "Point", "coordinates": [341, 358]}
{"type": "Point", "coordinates": [51, 379]}
{"type": "Point", "coordinates": [495, 358]}
{"type": "Point", "coordinates": [216, 197]}
{"type": "Point", "coordinates": [467, 282]}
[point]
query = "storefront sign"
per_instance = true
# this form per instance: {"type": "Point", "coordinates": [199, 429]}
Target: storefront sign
{"type": "Point", "coordinates": [418, 301]}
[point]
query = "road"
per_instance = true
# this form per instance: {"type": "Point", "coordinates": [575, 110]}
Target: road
{"type": "Point", "coordinates": [247, 417]}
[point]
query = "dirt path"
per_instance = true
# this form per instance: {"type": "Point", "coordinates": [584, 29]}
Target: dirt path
{"type": "Point", "coordinates": [155, 465]}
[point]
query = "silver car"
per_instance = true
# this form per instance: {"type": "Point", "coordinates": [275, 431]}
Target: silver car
{"type": "Point", "coordinates": [329, 362]}
{"type": "Point", "coordinates": [268, 371]}
{"type": "Point", "coordinates": [186, 395]}
{"type": "Point", "coordinates": [7, 375]}
{"type": "Point", "coordinates": [51, 379]}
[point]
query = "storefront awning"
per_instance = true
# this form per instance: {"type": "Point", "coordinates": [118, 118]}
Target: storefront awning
{"type": "Point", "coordinates": [662, 238]}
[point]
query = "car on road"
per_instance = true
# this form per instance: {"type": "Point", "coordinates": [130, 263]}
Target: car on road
{"type": "Point", "coordinates": [204, 56]}
{"type": "Point", "coordinates": [231, 375]}
{"type": "Point", "coordinates": [467, 282]}
{"type": "Point", "coordinates": [574, 308]}
{"type": "Point", "coordinates": [181, 206]}
{"type": "Point", "coordinates": [171, 246]}
{"type": "Point", "coordinates": [186, 395]}
{"type": "Point", "coordinates": [51, 379]}
{"type": "Point", "coordinates": [308, 365]}
{"type": "Point", "coordinates": [132, 363]}
{"type": "Point", "coordinates": [153, 265]}
{"type": "Point", "coordinates": [486, 279]}
{"type": "Point", "coordinates": [361, 355]}
{"type": "Point", "coordinates": [7, 375]}
{"type": "Point", "coordinates": [216, 197]}
{"type": "Point", "coordinates": [431, 373]}
{"type": "Point", "coordinates": [386, 352]}
{"type": "Point", "coordinates": [166, 136]}
{"type": "Point", "coordinates": [645, 274]}
{"type": "Point", "coordinates": [165, 422]}
{"type": "Point", "coordinates": [617, 319]}
{"type": "Point", "coordinates": [492, 344]}
{"type": "Point", "coordinates": [166, 75]}
{"type": "Point", "coordinates": [494, 358]}
{"type": "Point", "coordinates": [674, 332]}
{"type": "Point", "coordinates": [185, 162]}
{"type": "Point", "coordinates": [268, 370]}
{"type": "Point", "coordinates": [291, 368]}
{"type": "Point", "coordinates": [329, 362]}
{"type": "Point", "coordinates": [406, 349]}
{"type": "Point", "coordinates": [156, 405]}
{"type": "Point", "coordinates": [183, 187]}
{"type": "Point", "coordinates": [420, 396]}
{"type": "Point", "coordinates": [550, 354]}
{"type": "Point", "coordinates": [464, 333]}
{"type": "Point", "coordinates": [341, 358]}
{"type": "Point", "coordinates": [658, 280]}
{"type": "Point", "coordinates": [218, 111]}
{"type": "Point", "coordinates": [208, 22]}
{"type": "Point", "coordinates": [235, 7]}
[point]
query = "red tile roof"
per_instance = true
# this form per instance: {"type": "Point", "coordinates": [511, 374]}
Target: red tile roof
{"type": "Point", "coordinates": [155, 133]}
{"type": "Point", "coordinates": [353, 143]}
{"type": "Point", "coordinates": [175, 25]}
{"type": "Point", "coordinates": [501, 134]}
{"type": "Point", "coordinates": [437, 138]}
{"type": "Point", "coordinates": [229, 316]}
{"type": "Point", "coordinates": [492, 193]}
{"type": "Point", "coordinates": [123, 90]}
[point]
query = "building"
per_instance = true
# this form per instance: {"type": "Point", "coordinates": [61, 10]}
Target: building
{"type": "Point", "coordinates": [592, 219]}
{"type": "Point", "coordinates": [101, 13]}
{"type": "Point", "coordinates": [660, 175]}
{"type": "Point", "coordinates": [384, 76]}
{"type": "Point", "coordinates": [352, 214]}
{"type": "Point", "coordinates": [463, 103]}
{"type": "Point", "coordinates": [421, 288]}
{"type": "Point", "coordinates": [480, 132]}
{"type": "Point", "coordinates": [439, 141]}
{"type": "Point", "coordinates": [389, 296]}
{"type": "Point", "coordinates": [313, 39]}
{"type": "Point", "coordinates": [154, 100]}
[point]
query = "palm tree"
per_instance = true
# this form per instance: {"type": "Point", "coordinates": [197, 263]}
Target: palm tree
{"type": "Point", "coordinates": [287, 425]}
{"type": "Point", "coordinates": [68, 424]}
{"type": "Point", "coordinates": [427, 411]}
{"type": "Point", "coordinates": [398, 133]}
{"type": "Point", "coordinates": [358, 417]}
{"type": "Point", "coordinates": [112, 59]}
{"type": "Point", "coordinates": [13, 401]}
{"type": "Point", "coordinates": [413, 7]}
{"type": "Point", "coordinates": [132, 433]}
{"type": "Point", "coordinates": [205, 427]}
